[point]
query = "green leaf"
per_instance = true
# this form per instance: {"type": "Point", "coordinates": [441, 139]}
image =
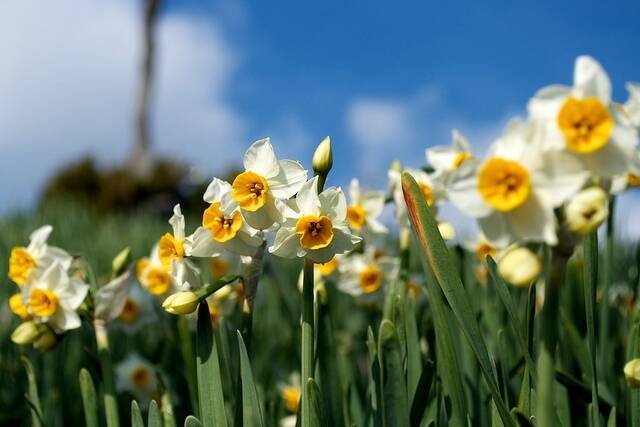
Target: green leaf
{"type": "Point", "coordinates": [395, 406]}
{"type": "Point", "coordinates": [210, 395]}
{"type": "Point", "coordinates": [37, 418]}
{"type": "Point", "coordinates": [155, 418]}
{"type": "Point", "coordinates": [612, 418]}
{"type": "Point", "coordinates": [438, 258]}
{"type": "Point", "coordinates": [251, 409]}
{"type": "Point", "coordinates": [136, 415]}
{"type": "Point", "coordinates": [633, 351]}
{"type": "Point", "coordinates": [590, 278]}
{"type": "Point", "coordinates": [330, 383]}
{"type": "Point", "coordinates": [375, 386]}
{"type": "Point", "coordinates": [192, 421]}
{"type": "Point", "coordinates": [89, 398]}
{"type": "Point", "coordinates": [414, 357]}
{"type": "Point", "coordinates": [421, 394]}
{"type": "Point", "coordinates": [315, 404]}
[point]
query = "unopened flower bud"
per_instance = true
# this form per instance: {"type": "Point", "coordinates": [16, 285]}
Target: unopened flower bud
{"type": "Point", "coordinates": [519, 266]}
{"type": "Point", "coordinates": [27, 333]}
{"type": "Point", "coordinates": [323, 157]}
{"type": "Point", "coordinates": [446, 231]}
{"type": "Point", "coordinates": [587, 210]}
{"type": "Point", "coordinates": [632, 373]}
{"type": "Point", "coordinates": [181, 303]}
{"type": "Point", "coordinates": [121, 261]}
{"type": "Point", "coordinates": [46, 341]}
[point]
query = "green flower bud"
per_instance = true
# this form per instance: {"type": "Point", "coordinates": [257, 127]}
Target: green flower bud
{"type": "Point", "coordinates": [181, 303]}
{"type": "Point", "coordinates": [323, 157]}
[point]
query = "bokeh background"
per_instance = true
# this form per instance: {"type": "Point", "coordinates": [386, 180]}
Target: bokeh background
{"type": "Point", "coordinates": [385, 80]}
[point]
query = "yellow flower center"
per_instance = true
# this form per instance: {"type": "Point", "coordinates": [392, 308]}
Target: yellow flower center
{"type": "Point", "coordinates": [585, 123]}
{"type": "Point", "coordinates": [17, 306]}
{"type": "Point", "coordinates": [633, 180]}
{"type": "Point", "coordinates": [460, 158]}
{"type": "Point", "coordinates": [370, 279]}
{"type": "Point", "coordinates": [356, 216]}
{"type": "Point", "coordinates": [328, 267]}
{"type": "Point", "coordinates": [316, 232]}
{"type": "Point", "coordinates": [129, 311]}
{"type": "Point", "coordinates": [291, 397]}
{"type": "Point", "coordinates": [20, 265]}
{"type": "Point", "coordinates": [168, 249]}
{"type": "Point", "coordinates": [222, 228]}
{"type": "Point", "coordinates": [43, 302]}
{"type": "Point", "coordinates": [158, 281]}
{"type": "Point", "coordinates": [426, 192]}
{"type": "Point", "coordinates": [140, 377]}
{"type": "Point", "coordinates": [503, 184]}
{"type": "Point", "coordinates": [250, 190]}
{"type": "Point", "coordinates": [483, 249]}
{"type": "Point", "coordinates": [219, 267]}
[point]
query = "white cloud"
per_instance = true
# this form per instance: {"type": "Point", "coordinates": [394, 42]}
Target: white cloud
{"type": "Point", "coordinates": [68, 77]}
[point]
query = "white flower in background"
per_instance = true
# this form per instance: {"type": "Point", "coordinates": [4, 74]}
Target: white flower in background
{"type": "Point", "coordinates": [225, 263]}
{"type": "Point", "coordinates": [36, 257]}
{"type": "Point", "coordinates": [447, 159]}
{"type": "Point", "coordinates": [291, 391]}
{"type": "Point", "coordinates": [316, 226]}
{"type": "Point", "coordinates": [153, 275]}
{"type": "Point", "coordinates": [482, 247]}
{"type": "Point", "coordinates": [582, 120]}
{"type": "Point", "coordinates": [172, 254]}
{"type": "Point", "coordinates": [513, 192]}
{"type": "Point", "coordinates": [587, 210]}
{"type": "Point", "coordinates": [112, 297]}
{"type": "Point", "coordinates": [622, 182]}
{"type": "Point", "coordinates": [54, 297]}
{"type": "Point", "coordinates": [431, 185]}
{"type": "Point", "coordinates": [366, 274]}
{"type": "Point", "coordinates": [138, 377]}
{"type": "Point", "coordinates": [137, 311]}
{"type": "Point", "coordinates": [265, 180]}
{"type": "Point", "coordinates": [632, 106]}
{"type": "Point", "coordinates": [364, 209]}
{"type": "Point", "coordinates": [223, 226]}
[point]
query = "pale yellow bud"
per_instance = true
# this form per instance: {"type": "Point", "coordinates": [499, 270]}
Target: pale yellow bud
{"type": "Point", "coordinates": [519, 266]}
{"type": "Point", "coordinates": [121, 261]}
{"type": "Point", "coordinates": [632, 373]}
{"type": "Point", "coordinates": [446, 231]}
{"type": "Point", "coordinates": [46, 341]}
{"type": "Point", "coordinates": [587, 210]}
{"type": "Point", "coordinates": [27, 333]}
{"type": "Point", "coordinates": [323, 157]}
{"type": "Point", "coordinates": [181, 303]}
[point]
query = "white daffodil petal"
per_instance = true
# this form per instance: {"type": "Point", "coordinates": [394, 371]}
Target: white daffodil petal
{"type": "Point", "coordinates": [307, 198]}
{"type": "Point", "coordinates": [290, 178]}
{"type": "Point", "coordinates": [547, 101]}
{"type": "Point", "coordinates": [609, 161]}
{"type": "Point", "coordinates": [464, 195]}
{"type": "Point", "coordinates": [177, 223]}
{"type": "Point", "coordinates": [441, 157]}
{"type": "Point", "coordinates": [354, 190]}
{"type": "Point", "coordinates": [562, 175]}
{"type": "Point", "coordinates": [286, 243]}
{"type": "Point", "coordinates": [263, 218]}
{"type": "Point", "coordinates": [261, 159]}
{"type": "Point", "coordinates": [216, 190]}
{"type": "Point", "coordinates": [590, 79]}
{"type": "Point", "coordinates": [38, 238]}
{"type": "Point", "coordinates": [495, 228]}
{"type": "Point", "coordinates": [65, 320]}
{"type": "Point", "coordinates": [534, 220]}
{"type": "Point", "coordinates": [333, 204]}
{"type": "Point", "coordinates": [203, 244]}
{"type": "Point", "coordinates": [373, 203]}
{"type": "Point", "coordinates": [376, 227]}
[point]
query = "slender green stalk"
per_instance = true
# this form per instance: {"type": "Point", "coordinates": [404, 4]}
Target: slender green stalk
{"type": "Point", "coordinates": [104, 354]}
{"type": "Point", "coordinates": [189, 359]}
{"type": "Point", "coordinates": [607, 267]}
{"type": "Point", "coordinates": [307, 337]}
{"type": "Point", "coordinates": [590, 283]}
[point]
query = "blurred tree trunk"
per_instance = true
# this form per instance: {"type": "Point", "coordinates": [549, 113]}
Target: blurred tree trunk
{"type": "Point", "coordinates": [140, 160]}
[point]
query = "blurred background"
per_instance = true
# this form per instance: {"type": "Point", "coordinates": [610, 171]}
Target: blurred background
{"type": "Point", "coordinates": [134, 104]}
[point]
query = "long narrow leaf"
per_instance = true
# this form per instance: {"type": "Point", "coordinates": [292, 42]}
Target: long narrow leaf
{"type": "Point", "coordinates": [395, 406]}
{"type": "Point", "coordinates": [590, 282]}
{"type": "Point", "coordinates": [136, 415]}
{"type": "Point", "coordinates": [89, 398]}
{"type": "Point", "coordinates": [192, 421]}
{"type": "Point", "coordinates": [251, 409]}
{"type": "Point", "coordinates": [36, 409]}
{"type": "Point", "coordinates": [155, 418]}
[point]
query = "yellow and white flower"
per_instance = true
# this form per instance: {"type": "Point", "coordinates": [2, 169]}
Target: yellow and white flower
{"type": "Point", "coordinates": [154, 276]}
{"type": "Point", "coordinates": [316, 226]}
{"type": "Point", "coordinates": [582, 120]}
{"type": "Point", "coordinates": [366, 274]}
{"type": "Point", "coordinates": [54, 297]}
{"type": "Point", "coordinates": [364, 209]}
{"type": "Point", "coordinates": [223, 226]}
{"type": "Point", "coordinates": [138, 377]}
{"type": "Point", "coordinates": [36, 257]}
{"type": "Point", "coordinates": [137, 311]}
{"type": "Point", "coordinates": [513, 192]}
{"type": "Point", "coordinates": [172, 251]}
{"type": "Point", "coordinates": [447, 159]}
{"type": "Point", "coordinates": [264, 182]}
{"type": "Point", "coordinates": [225, 263]}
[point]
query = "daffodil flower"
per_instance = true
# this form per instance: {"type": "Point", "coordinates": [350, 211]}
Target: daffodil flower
{"type": "Point", "coordinates": [172, 251]}
{"type": "Point", "coordinates": [447, 159]}
{"type": "Point", "coordinates": [364, 209]}
{"type": "Point", "coordinates": [223, 226]}
{"type": "Point", "coordinates": [138, 377]}
{"type": "Point", "coordinates": [582, 120]}
{"type": "Point", "coordinates": [54, 297]}
{"type": "Point", "coordinates": [513, 192]}
{"type": "Point", "coordinates": [153, 276]}
{"type": "Point", "coordinates": [264, 182]}
{"type": "Point", "coordinates": [366, 274]}
{"type": "Point", "coordinates": [36, 257]}
{"type": "Point", "coordinates": [316, 226]}
{"type": "Point", "coordinates": [137, 311]}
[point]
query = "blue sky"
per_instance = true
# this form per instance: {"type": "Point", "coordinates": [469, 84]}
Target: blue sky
{"type": "Point", "coordinates": [384, 79]}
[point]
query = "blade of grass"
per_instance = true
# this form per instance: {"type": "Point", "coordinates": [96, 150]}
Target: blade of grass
{"type": "Point", "coordinates": [590, 247]}
{"type": "Point", "coordinates": [251, 409]}
{"type": "Point", "coordinates": [189, 359]}
{"type": "Point", "coordinates": [395, 406]}
{"type": "Point", "coordinates": [421, 394]}
{"type": "Point", "coordinates": [89, 399]}
{"type": "Point", "coordinates": [32, 393]}
{"type": "Point", "coordinates": [438, 257]}
{"type": "Point", "coordinates": [315, 404]}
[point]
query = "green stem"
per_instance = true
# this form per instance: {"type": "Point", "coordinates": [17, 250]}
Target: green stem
{"type": "Point", "coordinates": [186, 346]}
{"type": "Point", "coordinates": [307, 336]}
{"type": "Point", "coordinates": [590, 248]}
{"type": "Point", "coordinates": [607, 268]}
{"type": "Point", "coordinates": [104, 354]}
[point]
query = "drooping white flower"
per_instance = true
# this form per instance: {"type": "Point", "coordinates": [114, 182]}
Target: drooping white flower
{"type": "Point", "coordinates": [446, 159]}
{"type": "Point", "coordinates": [364, 209]}
{"type": "Point", "coordinates": [223, 226]}
{"type": "Point", "coordinates": [513, 192]}
{"type": "Point", "coordinates": [316, 226]}
{"type": "Point", "coordinates": [36, 257]}
{"type": "Point", "coordinates": [53, 298]}
{"type": "Point", "coordinates": [366, 274]}
{"type": "Point", "coordinates": [264, 182]}
{"type": "Point", "coordinates": [172, 250]}
{"type": "Point", "coordinates": [137, 376]}
{"type": "Point", "coordinates": [582, 120]}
